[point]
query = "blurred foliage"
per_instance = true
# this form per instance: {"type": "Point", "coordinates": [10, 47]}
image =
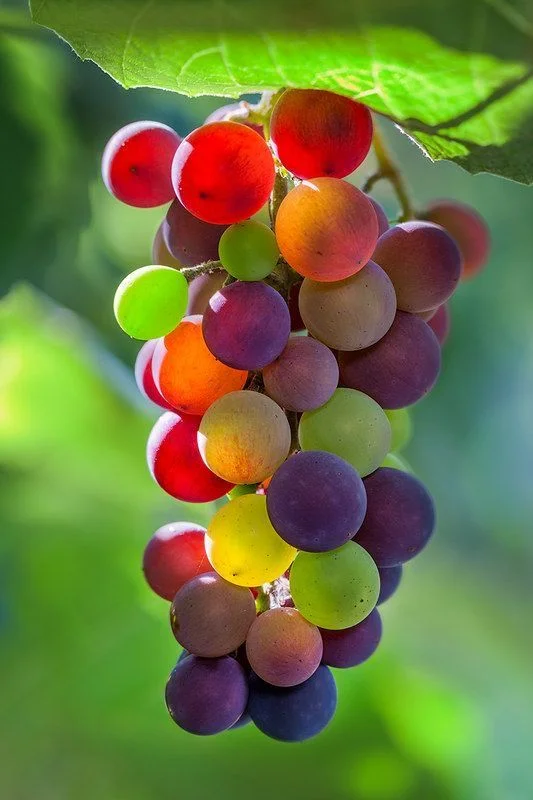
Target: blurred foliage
{"type": "Point", "coordinates": [443, 711]}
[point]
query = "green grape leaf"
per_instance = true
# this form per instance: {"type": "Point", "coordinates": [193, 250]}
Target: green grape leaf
{"type": "Point", "coordinates": [454, 74]}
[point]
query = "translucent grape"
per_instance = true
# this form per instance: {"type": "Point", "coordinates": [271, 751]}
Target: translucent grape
{"type": "Point", "coordinates": [206, 695]}
{"type": "Point", "coordinates": [316, 501]}
{"type": "Point", "coordinates": [244, 437]}
{"type": "Point", "coordinates": [174, 555]}
{"type": "Point", "coordinates": [144, 377]}
{"type": "Point", "coordinates": [440, 323]}
{"type": "Point", "coordinates": [383, 220]}
{"type": "Point", "coordinates": [335, 590]}
{"type": "Point", "coordinates": [318, 133]}
{"type": "Point", "coordinates": [400, 517]}
{"type": "Point", "coordinates": [223, 172]}
{"type": "Point", "coordinates": [211, 617]}
{"type": "Point", "coordinates": [326, 229]}
{"type": "Point", "coordinates": [283, 648]}
{"type": "Point", "coordinates": [202, 289]}
{"type": "Point", "coordinates": [469, 230]}
{"type": "Point", "coordinates": [150, 302]}
{"type": "Point", "coordinates": [136, 164]}
{"type": "Point", "coordinates": [401, 427]}
{"type": "Point", "coordinates": [390, 578]}
{"type": "Point", "coordinates": [303, 377]}
{"type": "Point", "coordinates": [295, 713]}
{"type": "Point", "coordinates": [243, 546]}
{"type": "Point", "coordinates": [349, 314]}
{"type": "Point", "coordinates": [248, 250]}
{"type": "Point", "coordinates": [352, 646]}
{"type": "Point", "coordinates": [246, 325]}
{"type": "Point", "coordinates": [160, 252]}
{"type": "Point", "coordinates": [190, 240]}
{"type": "Point", "coordinates": [187, 374]}
{"type": "Point", "coordinates": [175, 462]}
{"type": "Point", "coordinates": [399, 369]}
{"type": "Point", "coordinates": [350, 425]}
{"type": "Point", "coordinates": [423, 262]}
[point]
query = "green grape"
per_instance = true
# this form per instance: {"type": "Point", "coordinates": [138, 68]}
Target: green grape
{"type": "Point", "coordinates": [337, 589]}
{"type": "Point", "coordinates": [244, 488]}
{"type": "Point", "coordinates": [242, 545]}
{"type": "Point", "coordinates": [350, 425]}
{"type": "Point", "coordinates": [248, 250]}
{"type": "Point", "coordinates": [394, 461]}
{"type": "Point", "coordinates": [401, 428]}
{"type": "Point", "coordinates": [150, 302]}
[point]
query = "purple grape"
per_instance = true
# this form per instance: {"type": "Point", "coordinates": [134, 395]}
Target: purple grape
{"type": "Point", "coordinates": [400, 517]}
{"type": "Point", "coordinates": [206, 695]}
{"type": "Point", "coordinates": [202, 289]}
{"type": "Point", "coordinates": [304, 376]}
{"type": "Point", "coordinates": [390, 578]}
{"type": "Point", "coordinates": [352, 646]}
{"type": "Point", "coordinates": [190, 240]}
{"type": "Point", "coordinates": [399, 369]}
{"type": "Point", "coordinates": [440, 323]}
{"type": "Point", "coordinates": [246, 325]}
{"type": "Point", "coordinates": [383, 220]}
{"type": "Point", "coordinates": [296, 713]}
{"type": "Point", "coordinates": [316, 501]}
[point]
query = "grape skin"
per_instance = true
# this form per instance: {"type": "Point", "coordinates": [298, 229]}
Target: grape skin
{"type": "Point", "coordinates": [205, 696]}
{"type": "Point", "coordinates": [211, 617]}
{"type": "Point", "coordinates": [383, 220]}
{"type": "Point", "coordinates": [174, 555]}
{"type": "Point", "coordinates": [144, 376]}
{"type": "Point", "coordinates": [390, 578]}
{"type": "Point", "coordinates": [440, 323]}
{"type": "Point", "coordinates": [160, 252]}
{"type": "Point", "coordinates": [150, 302]}
{"type": "Point", "coordinates": [248, 250]}
{"type": "Point", "coordinates": [202, 289]}
{"type": "Point", "coordinates": [401, 428]}
{"type": "Point", "coordinates": [469, 230]}
{"type": "Point", "coordinates": [352, 646]}
{"type": "Point", "coordinates": [190, 240]}
{"type": "Point", "coordinates": [303, 377]}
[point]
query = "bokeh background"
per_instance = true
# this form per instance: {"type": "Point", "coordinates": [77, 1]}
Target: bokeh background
{"type": "Point", "coordinates": [444, 709]}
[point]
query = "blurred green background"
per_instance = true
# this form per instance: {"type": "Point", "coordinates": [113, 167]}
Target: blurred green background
{"type": "Point", "coordinates": [444, 709]}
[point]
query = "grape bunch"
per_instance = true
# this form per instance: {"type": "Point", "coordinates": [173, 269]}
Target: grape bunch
{"type": "Point", "coordinates": [288, 327]}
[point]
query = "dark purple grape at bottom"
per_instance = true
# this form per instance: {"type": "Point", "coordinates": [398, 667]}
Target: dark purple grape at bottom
{"type": "Point", "coordinates": [352, 646]}
{"type": "Point", "coordinates": [390, 578]}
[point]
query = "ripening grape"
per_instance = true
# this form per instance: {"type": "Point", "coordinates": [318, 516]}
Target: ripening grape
{"type": "Point", "coordinates": [190, 240]}
{"type": "Point", "coordinates": [174, 555]}
{"type": "Point", "coordinates": [160, 252]}
{"type": "Point", "coordinates": [241, 489]}
{"type": "Point", "coordinates": [349, 314]}
{"type": "Point", "coordinates": [400, 517]}
{"type": "Point", "coordinates": [221, 115]}
{"type": "Point", "coordinates": [350, 425]}
{"type": "Point", "coordinates": [352, 646]}
{"type": "Point", "coordinates": [383, 220]}
{"type": "Point", "coordinates": [223, 172]}
{"type": "Point", "coordinates": [295, 713]}
{"type": "Point", "coordinates": [395, 461]}
{"type": "Point", "coordinates": [303, 377]}
{"type": "Point", "coordinates": [248, 250]}
{"type": "Point", "coordinates": [326, 229]}
{"type": "Point", "coordinates": [401, 427]}
{"type": "Point", "coordinates": [175, 462]}
{"type": "Point", "coordinates": [316, 501]}
{"type": "Point", "coordinates": [211, 617]}
{"type": "Point", "coordinates": [390, 578]}
{"type": "Point", "coordinates": [144, 377]}
{"type": "Point", "coordinates": [244, 437]}
{"type": "Point", "coordinates": [243, 546]}
{"type": "Point", "coordinates": [136, 164]}
{"type": "Point", "coordinates": [150, 302]}
{"type": "Point", "coordinates": [202, 289]}
{"type": "Point", "coordinates": [469, 230]}
{"type": "Point", "coordinates": [440, 323]}
{"type": "Point", "coordinates": [187, 374]}
{"type": "Point", "coordinates": [246, 324]}
{"type": "Point", "coordinates": [423, 262]}
{"type": "Point", "coordinates": [318, 133]}
{"type": "Point", "coordinates": [206, 695]}
{"type": "Point", "coordinates": [399, 369]}
{"type": "Point", "coordinates": [283, 648]}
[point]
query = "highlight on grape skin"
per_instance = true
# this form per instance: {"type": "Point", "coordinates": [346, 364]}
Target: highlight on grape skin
{"type": "Point", "coordinates": [243, 546]}
{"type": "Point", "coordinates": [322, 244]}
{"type": "Point", "coordinates": [150, 302]}
{"type": "Point", "coordinates": [174, 555]}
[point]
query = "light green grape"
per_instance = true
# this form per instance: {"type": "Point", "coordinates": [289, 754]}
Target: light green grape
{"type": "Point", "coordinates": [244, 488]}
{"type": "Point", "coordinates": [350, 425]}
{"type": "Point", "coordinates": [394, 461]}
{"type": "Point", "coordinates": [151, 301]}
{"type": "Point", "coordinates": [401, 427]}
{"type": "Point", "coordinates": [337, 589]}
{"type": "Point", "coordinates": [248, 250]}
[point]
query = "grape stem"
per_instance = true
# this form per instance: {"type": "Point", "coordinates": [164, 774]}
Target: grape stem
{"type": "Point", "coordinates": [205, 268]}
{"type": "Point", "coordinates": [388, 170]}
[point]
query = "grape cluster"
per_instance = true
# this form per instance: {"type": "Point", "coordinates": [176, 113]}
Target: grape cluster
{"type": "Point", "coordinates": [285, 356]}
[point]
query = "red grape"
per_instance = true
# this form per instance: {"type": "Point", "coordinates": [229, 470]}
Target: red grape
{"type": "Point", "coordinates": [440, 323]}
{"type": "Point", "coordinates": [469, 230]}
{"type": "Point", "coordinates": [137, 161]}
{"type": "Point", "coordinates": [174, 555]}
{"type": "Point", "coordinates": [144, 377]}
